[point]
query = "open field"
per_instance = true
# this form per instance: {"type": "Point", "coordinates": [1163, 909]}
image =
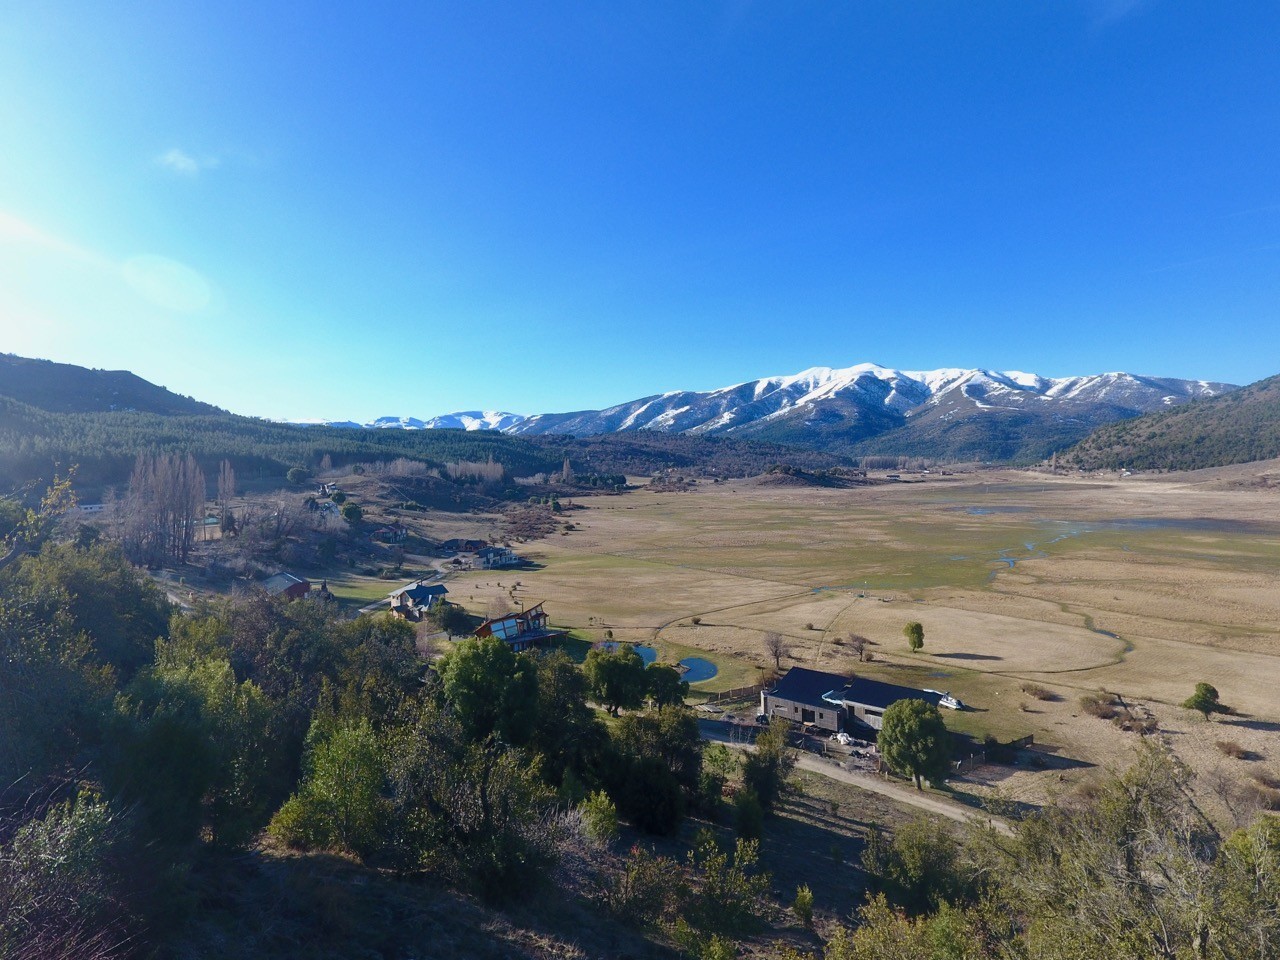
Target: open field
{"type": "Point", "coordinates": [1140, 586]}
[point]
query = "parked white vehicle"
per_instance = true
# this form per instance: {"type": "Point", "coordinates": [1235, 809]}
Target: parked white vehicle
{"type": "Point", "coordinates": [947, 700]}
{"type": "Point", "coordinates": [842, 738]}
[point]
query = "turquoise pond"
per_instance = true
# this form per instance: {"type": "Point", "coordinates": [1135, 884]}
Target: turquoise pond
{"type": "Point", "coordinates": [697, 669]}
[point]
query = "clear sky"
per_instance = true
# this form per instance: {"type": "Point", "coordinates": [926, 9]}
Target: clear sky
{"type": "Point", "coordinates": [358, 209]}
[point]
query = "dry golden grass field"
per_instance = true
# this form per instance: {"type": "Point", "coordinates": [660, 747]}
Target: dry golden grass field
{"type": "Point", "coordinates": [1134, 585]}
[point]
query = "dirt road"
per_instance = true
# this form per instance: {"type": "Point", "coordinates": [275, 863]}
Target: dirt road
{"type": "Point", "coordinates": [928, 802]}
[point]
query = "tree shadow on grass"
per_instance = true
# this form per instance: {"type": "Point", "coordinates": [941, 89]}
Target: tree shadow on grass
{"type": "Point", "coordinates": [1249, 723]}
{"type": "Point", "coordinates": [966, 656]}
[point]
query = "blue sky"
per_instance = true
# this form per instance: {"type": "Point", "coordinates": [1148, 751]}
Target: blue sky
{"type": "Point", "coordinates": [352, 210]}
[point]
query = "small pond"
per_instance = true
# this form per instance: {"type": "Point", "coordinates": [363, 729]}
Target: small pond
{"type": "Point", "coordinates": [647, 654]}
{"type": "Point", "coordinates": [697, 669]}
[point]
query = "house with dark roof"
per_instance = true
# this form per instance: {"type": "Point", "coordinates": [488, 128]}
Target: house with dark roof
{"type": "Point", "coordinates": [833, 702]}
{"type": "Point", "coordinates": [809, 696]}
{"type": "Point", "coordinates": [414, 601]}
{"type": "Point", "coordinates": [866, 700]}
{"type": "Point", "coordinates": [287, 585]}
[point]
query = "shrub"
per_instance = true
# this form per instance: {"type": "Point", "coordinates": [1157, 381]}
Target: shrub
{"type": "Point", "coordinates": [651, 796]}
{"type": "Point", "coordinates": [341, 803]}
{"type": "Point", "coordinates": [351, 512]}
{"type": "Point", "coordinates": [802, 906]}
{"type": "Point", "coordinates": [649, 889]}
{"type": "Point", "coordinates": [729, 887]}
{"type": "Point", "coordinates": [1101, 705]}
{"type": "Point", "coordinates": [1040, 693]}
{"type": "Point", "coordinates": [1233, 749]}
{"type": "Point", "coordinates": [600, 816]}
{"type": "Point", "coordinates": [695, 620]}
{"type": "Point", "coordinates": [748, 815]}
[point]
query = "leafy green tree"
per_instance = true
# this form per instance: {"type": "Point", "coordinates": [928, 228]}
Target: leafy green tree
{"type": "Point", "coordinates": [298, 475]}
{"type": "Point", "coordinates": [341, 802]}
{"type": "Point", "coordinates": [189, 748]}
{"type": "Point", "coordinates": [730, 885]}
{"type": "Point", "coordinates": [476, 812]}
{"type": "Point", "coordinates": [119, 611]}
{"type": "Point", "coordinates": [52, 695]}
{"type": "Point", "coordinates": [767, 769]}
{"type": "Point", "coordinates": [351, 512]}
{"type": "Point", "coordinates": [567, 735]}
{"type": "Point", "coordinates": [491, 689]}
{"type": "Point", "coordinates": [617, 678]}
{"type": "Point", "coordinates": [914, 741]}
{"type": "Point", "coordinates": [918, 868]}
{"type": "Point", "coordinates": [451, 618]}
{"type": "Point", "coordinates": [650, 796]}
{"type": "Point", "coordinates": [914, 632]}
{"type": "Point", "coordinates": [665, 686]}
{"type": "Point", "coordinates": [671, 737]}
{"type": "Point", "coordinates": [1137, 872]}
{"type": "Point", "coordinates": [25, 530]}
{"type": "Point", "coordinates": [802, 906]}
{"type": "Point", "coordinates": [1205, 701]}
{"type": "Point", "coordinates": [381, 666]}
{"type": "Point", "coordinates": [748, 815]}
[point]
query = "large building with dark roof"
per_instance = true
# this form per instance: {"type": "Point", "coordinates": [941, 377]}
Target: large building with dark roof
{"type": "Point", "coordinates": [809, 696]}
{"type": "Point", "coordinates": [829, 701]}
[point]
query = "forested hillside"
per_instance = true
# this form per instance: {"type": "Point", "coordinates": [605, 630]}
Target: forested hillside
{"type": "Point", "coordinates": [66, 388]}
{"type": "Point", "coordinates": [1239, 427]}
{"type": "Point", "coordinates": [103, 446]}
{"type": "Point", "coordinates": [54, 416]}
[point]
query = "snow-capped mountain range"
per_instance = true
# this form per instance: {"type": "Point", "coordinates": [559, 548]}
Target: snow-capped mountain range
{"type": "Point", "coordinates": [841, 408]}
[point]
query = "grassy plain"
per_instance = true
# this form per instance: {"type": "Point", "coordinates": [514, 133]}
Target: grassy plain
{"type": "Point", "coordinates": [1139, 586]}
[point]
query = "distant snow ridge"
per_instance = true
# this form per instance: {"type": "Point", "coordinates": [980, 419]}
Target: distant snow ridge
{"type": "Point", "coordinates": [827, 396]}
{"type": "Point", "coordinates": [476, 420]}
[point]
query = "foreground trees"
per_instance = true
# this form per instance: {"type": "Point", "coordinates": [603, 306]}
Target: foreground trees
{"type": "Point", "coordinates": [1137, 872]}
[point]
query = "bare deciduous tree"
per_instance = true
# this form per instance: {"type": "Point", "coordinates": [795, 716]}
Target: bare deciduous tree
{"type": "Point", "coordinates": [226, 490]}
{"type": "Point", "coordinates": [776, 647]}
{"type": "Point", "coordinates": [859, 643]}
{"type": "Point", "coordinates": [163, 507]}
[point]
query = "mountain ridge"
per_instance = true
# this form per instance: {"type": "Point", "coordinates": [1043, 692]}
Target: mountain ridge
{"type": "Point", "coordinates": [973, 412]}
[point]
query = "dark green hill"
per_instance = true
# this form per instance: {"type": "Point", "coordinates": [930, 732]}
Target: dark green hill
{"type": "Point", "coordinates": [66, 388]}
{"type": "Point", "coordinates": [1239, 427]}
{"type": "Point", "coordinates": [54, 415]}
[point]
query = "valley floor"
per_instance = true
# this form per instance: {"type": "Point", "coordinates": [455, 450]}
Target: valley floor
{"type": "Point", "coordinates": [1139, 586]}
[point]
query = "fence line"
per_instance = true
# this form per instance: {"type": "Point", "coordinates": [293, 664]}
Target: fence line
{"type": "Point", "coordinates": [737, 693]}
